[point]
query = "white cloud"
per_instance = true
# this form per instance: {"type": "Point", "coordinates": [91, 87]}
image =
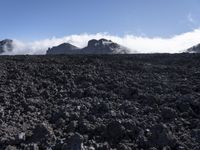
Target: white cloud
{"type": "Point", "coordinates": [142, 44]}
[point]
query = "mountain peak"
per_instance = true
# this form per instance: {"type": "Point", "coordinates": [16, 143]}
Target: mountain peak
{"type": "Point", "coordinates": [101, 42]}
{"type": "Point", "coordinates": [6, 45]}
{"type": "Point", "coordinates": [65, 48]}
{"type": "Point", "coordinates": [194, 49]}
{"type": "Point", "coordinates": [102, 46]}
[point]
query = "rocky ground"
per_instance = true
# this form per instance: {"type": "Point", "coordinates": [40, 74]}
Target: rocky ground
{"type": "Point", "coordinates": [102, 102]}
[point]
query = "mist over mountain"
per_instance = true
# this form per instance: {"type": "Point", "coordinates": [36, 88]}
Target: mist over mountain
{"type": "Point", "coordinates": [194, 49]}
{"type": "Point", "coordinates": [6, 45]}
{"type": "Point", "coordinates": [102, 46]}
{"type": "Point", "coordinates": [140, 44]}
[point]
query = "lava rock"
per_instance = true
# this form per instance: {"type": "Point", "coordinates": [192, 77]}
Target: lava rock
{"type": "Point", "coordinates": [168, 113]}
{"type": "Point", "coordinates": [160, 136]}
{"type": "Point", "coordinates": [32, 146]}
{"type": "Point", "coordinates": [196, 134]}
{"type": "Point", "coordinates": [112, 101]}
{"type": "Point", "coordinates": [183, 106]}
{"type": "Point", "coordinates": [75, 142]}
{"type": "Point", "coordinates": [43, 133]}
{"type": "Point", "coordinates": [115, 131]}
{"type": "Point", "coordinates": [124, 147]}
{"type": "Point", "coordinates": [11, 148]}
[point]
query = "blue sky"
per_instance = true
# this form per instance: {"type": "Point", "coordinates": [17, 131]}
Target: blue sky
{"type": "Point", "coordinates": [30, 20]}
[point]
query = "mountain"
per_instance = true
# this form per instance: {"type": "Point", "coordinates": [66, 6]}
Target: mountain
{"type": "Point", "coordinates": [101, 46]}
{"type": "Point", "coordinates": [104, 46]}
{"type": "Point", "coordinates": [6, 45]}
{"type": "Point", "coordinates": [64, 48]}
{"type": "Point", "coordinates": [194, 49]}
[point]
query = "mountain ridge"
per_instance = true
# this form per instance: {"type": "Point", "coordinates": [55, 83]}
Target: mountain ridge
{"type": "Point", "coordinates": [102, 46]}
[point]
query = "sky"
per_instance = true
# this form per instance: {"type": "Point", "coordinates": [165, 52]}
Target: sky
{"type": "Point", "coordinates": [42, 20]}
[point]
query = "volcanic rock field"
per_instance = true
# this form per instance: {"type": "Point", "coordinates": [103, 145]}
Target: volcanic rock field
{"type": "Point", "coordinates": [100, 102]}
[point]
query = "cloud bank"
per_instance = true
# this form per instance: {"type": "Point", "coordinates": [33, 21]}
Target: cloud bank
{"type": "Point", "coordinates": [141, 44]}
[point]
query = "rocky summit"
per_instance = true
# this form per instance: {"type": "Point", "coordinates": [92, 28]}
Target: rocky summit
{"type": "Point", "coordinates": [194, 49]}
{"type": "Point", "coordinates": [101, 46]}
{"type": "Point", "coordinates": [104, 46]}
{"type": "Point", "coordinates": [64, 48]}
{"type": "Point", "coordinates": [100, 102]}
{"type": "Point", "coordinates": [6, 45]}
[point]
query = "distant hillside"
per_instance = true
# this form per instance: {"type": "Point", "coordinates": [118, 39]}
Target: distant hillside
{"type": "Point", "coordinates": [101, 46]}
